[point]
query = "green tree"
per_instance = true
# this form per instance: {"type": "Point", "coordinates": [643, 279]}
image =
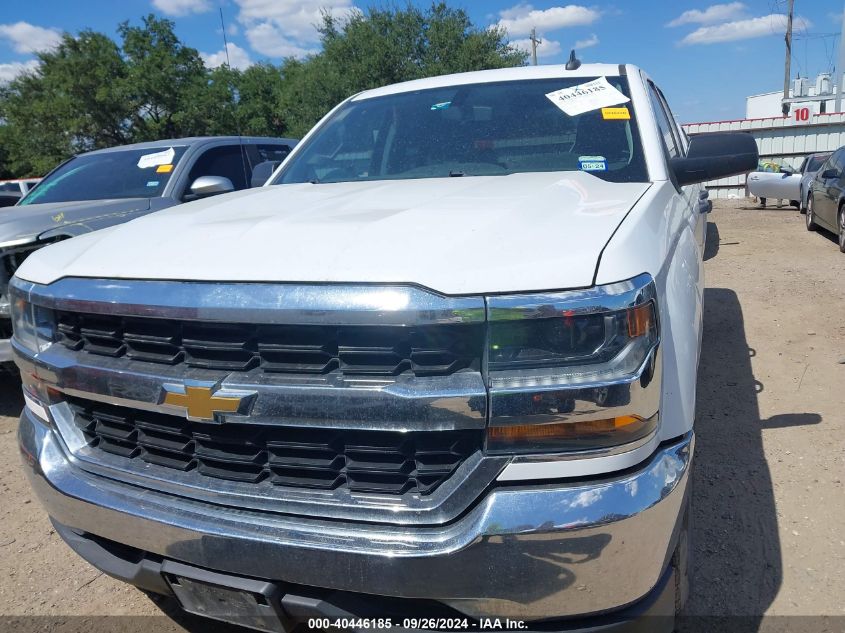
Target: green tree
{"type": "Point", "coordinates": [164, 80]}
{"type": "Point", "coordinates": [92, 92]}
{"type": "Point", "coordinates": [73, 102]}
{"type": "Point", "coordinates": [388, 45]}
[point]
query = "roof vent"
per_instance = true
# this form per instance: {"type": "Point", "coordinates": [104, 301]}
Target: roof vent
{"type": "Point", "coordinates": [574, 63]}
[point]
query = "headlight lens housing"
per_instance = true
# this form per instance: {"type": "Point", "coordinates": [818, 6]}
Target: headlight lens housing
{"type": "Point", "coordinates": [33, 326]}
{"type": "Point", "coordinates": [573, 371]}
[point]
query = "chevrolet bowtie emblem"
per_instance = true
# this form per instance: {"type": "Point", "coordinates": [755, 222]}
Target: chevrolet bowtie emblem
{"type": "Point", "coordinates": [202, 401]}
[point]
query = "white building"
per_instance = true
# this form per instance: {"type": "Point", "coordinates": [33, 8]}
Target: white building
{"type": "Point", "coordinates": [768, 104]}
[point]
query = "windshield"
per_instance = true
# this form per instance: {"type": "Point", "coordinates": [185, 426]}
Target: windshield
{"type": "Point", "coordinates": [816, 161]}
{"type": "Point", "coordinates": [134, 173]}
{"type": "Point", "coordinates": [471, 130]}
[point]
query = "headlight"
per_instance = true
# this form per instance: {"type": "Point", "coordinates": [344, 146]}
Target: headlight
{"type": "Point", "coordinates": [33, 326]}
{"type": "Point", "coordinates": [574, 370]}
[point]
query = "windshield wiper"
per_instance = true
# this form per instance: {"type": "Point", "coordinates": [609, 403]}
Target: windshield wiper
{"type": "Point", "coordinates": [456, 174]}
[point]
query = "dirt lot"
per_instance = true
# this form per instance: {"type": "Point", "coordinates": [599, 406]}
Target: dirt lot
{"type": "Point", "coordinates": [768, 487]}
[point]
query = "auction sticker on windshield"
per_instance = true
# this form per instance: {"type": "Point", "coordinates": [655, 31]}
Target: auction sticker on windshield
{"type": "Point", "coordinates": [592, 95]}
{"type": "Point", "coordinates": [158, 158]}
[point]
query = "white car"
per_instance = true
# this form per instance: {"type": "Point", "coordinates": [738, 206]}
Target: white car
{"type": "Point", "coordinates": [18, 185]}
{"type": "Point", "coordinates": [443, 363]}
{"type": "Point", "coordinates": [784, 184]}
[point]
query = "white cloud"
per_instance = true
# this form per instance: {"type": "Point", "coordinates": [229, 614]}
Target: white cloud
{"type": "Point", "coordinates": [283, 28]}
{"type": "Point", "coordinates": [774, 24]}
{"type": "Point", "coordinates": [546, 47]}
{"type": "Point", "coordinates": [711, 15]}
{"type": "Point", "coordinates": [182, 7]}
{"type": "Point", "coordinates": [587, 498]}
{"type": "Point", "coordinates": [28, 38]}
{"type": "Point", "coordinates": [271, 41]}
{"type": "Point", "coordinates": [587, 43]}
{"type": "Point", "coordinates": [519, 20]}
{"type": "Point", "coordinates": [238, 57]}
{"type": "Point", "coordinates": [13, 69]}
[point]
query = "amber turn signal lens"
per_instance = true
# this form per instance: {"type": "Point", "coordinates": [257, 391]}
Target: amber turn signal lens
{"type": "Point", "coordinates": [559, 430]}
{"type": "Point", "coordinates": [640, 320]}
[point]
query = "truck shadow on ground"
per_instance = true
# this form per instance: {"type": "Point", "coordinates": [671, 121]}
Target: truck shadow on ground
{"type": "Point", "coordinates": [737, 564]}
{"type": "Point", "coordinates": [11, 396]}
{"type": "Point", "coordinates": [711, 245]}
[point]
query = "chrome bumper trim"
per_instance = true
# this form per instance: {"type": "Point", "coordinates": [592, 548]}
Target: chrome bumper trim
{"type": "Point", "coordinates": [545, 551]}
{"type": "Point", "coordinates": [7, 355]}
{"type": "Point", "coordinates": [403, 403]}
{"type": "Point", "coordinates": [266, 303]}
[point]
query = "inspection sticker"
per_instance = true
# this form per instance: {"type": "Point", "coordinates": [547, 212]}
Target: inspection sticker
{"type": "Point", "coordinates": [592, 163]}
{"type": "Point", "coordinates": [582, 98]}
{"type": "Point", "coordinates": [152, 183]}
{"type": "Point", "coordinates": [159, 158]}
{"type": "Point", "coordinates": [164, 169]}
{"type": "Point", "coordinates": [616, 113]}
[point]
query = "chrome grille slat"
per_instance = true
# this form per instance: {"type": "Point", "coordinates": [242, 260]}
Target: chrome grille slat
{"type": "Point", "coordinates": [427, 350]}
{"type": "Point", "coordinates": [385, 462]}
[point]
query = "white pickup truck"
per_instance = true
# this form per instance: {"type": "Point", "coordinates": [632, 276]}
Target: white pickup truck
{"type": "Point", "coordinates": [441, 369]}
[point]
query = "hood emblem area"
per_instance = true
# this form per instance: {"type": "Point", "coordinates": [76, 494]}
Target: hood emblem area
{"type": "Point", "coordinates": [205, 402]}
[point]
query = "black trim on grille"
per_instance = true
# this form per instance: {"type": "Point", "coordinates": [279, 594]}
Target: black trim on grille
{"type": "Point", "coordinates": [385, 462]}
{"type": "Point", "coordinates": [428, 350]}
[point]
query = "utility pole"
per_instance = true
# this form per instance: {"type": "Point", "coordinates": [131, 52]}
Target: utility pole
{"type": "Point", "coordinates": [534, 44]}
{"type": "Point", "coordinates": [786, 70]}
{"type": "Point", "coordinates": [840, 67]}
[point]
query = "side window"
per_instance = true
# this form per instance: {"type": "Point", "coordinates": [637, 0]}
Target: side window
{"type": "Point", "coordinates": [228, 161]}
{"type": "Point", "coordinates": [663, 123]}
{"type": "Point", "coordinates": [681, 136]}
{"type": "Point", "coordinates": [276, 153]}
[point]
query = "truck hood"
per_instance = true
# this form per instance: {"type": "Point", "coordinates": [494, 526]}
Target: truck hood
{"type": "Point", "coordinates": [464, 235]}
{"type": "Point", "coordinates": [26, 223]}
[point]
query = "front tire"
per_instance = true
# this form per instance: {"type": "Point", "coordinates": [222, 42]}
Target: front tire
{"type": "Point", "coordinates": [841, 224]}
{"type": "Point", "coordinates": [810, 217]}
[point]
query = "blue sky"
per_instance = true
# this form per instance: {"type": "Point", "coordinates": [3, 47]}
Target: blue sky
{"type": "Point", "coordinates": [706, 56]}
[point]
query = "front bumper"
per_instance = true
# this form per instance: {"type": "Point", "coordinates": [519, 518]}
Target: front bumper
{"type": "Point", "coordinates": [534, 552]}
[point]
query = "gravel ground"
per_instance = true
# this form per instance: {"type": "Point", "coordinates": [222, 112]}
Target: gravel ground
{"type": "Point", "coordinates": [768, 490]}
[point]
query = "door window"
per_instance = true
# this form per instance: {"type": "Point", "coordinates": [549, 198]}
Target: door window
{"type": "Point", "coordinates": [663, 123]}
{"type": "Point", "coordinates": [228, 161]}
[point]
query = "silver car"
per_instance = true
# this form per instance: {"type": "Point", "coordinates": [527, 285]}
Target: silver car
{"type": "Point", "coordinates": [111, 186]}
{"type": "Point", "coordinates": [809, 168]}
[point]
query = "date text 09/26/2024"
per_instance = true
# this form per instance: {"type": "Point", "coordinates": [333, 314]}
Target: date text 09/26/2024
{"type": "Point", "coordinates": [457, 624]}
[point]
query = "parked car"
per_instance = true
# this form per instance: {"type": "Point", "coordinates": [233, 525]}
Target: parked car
{"type": "Point", "coordinates": [826, 202]}
{"type": "Point", "coordinates": [809, 169]}
{"type": "Point", "coordinates": [9, 198]}
{"type": "Point", "coordinates": [21, 186]}
{"type": "Point", "coordinates": [443, 363]}
{"type": "Point", "coordinates": [11, 191]}
{"type": "Point", "coordinates": [782, 184]}
{"type": "Point", "coordinates": [110, 186]}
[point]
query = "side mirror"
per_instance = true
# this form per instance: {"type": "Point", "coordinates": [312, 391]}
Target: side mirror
{"type": "Point", "coordinates": [829, 174]}
{"type": "Point", "coordinates": [262, 172]}
{"type": "Point", "coordinates": [210, 186]}
{"type": "Point", "coordinates": [786, 171]}
{"type": "Point", "coordinates": [715, 155]}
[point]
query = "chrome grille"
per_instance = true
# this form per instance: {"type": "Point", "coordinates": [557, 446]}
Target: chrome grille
{"type": "Point", "coordinates": [424, 350]}
{"type": "Point", "coordinates": [385, 462]}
